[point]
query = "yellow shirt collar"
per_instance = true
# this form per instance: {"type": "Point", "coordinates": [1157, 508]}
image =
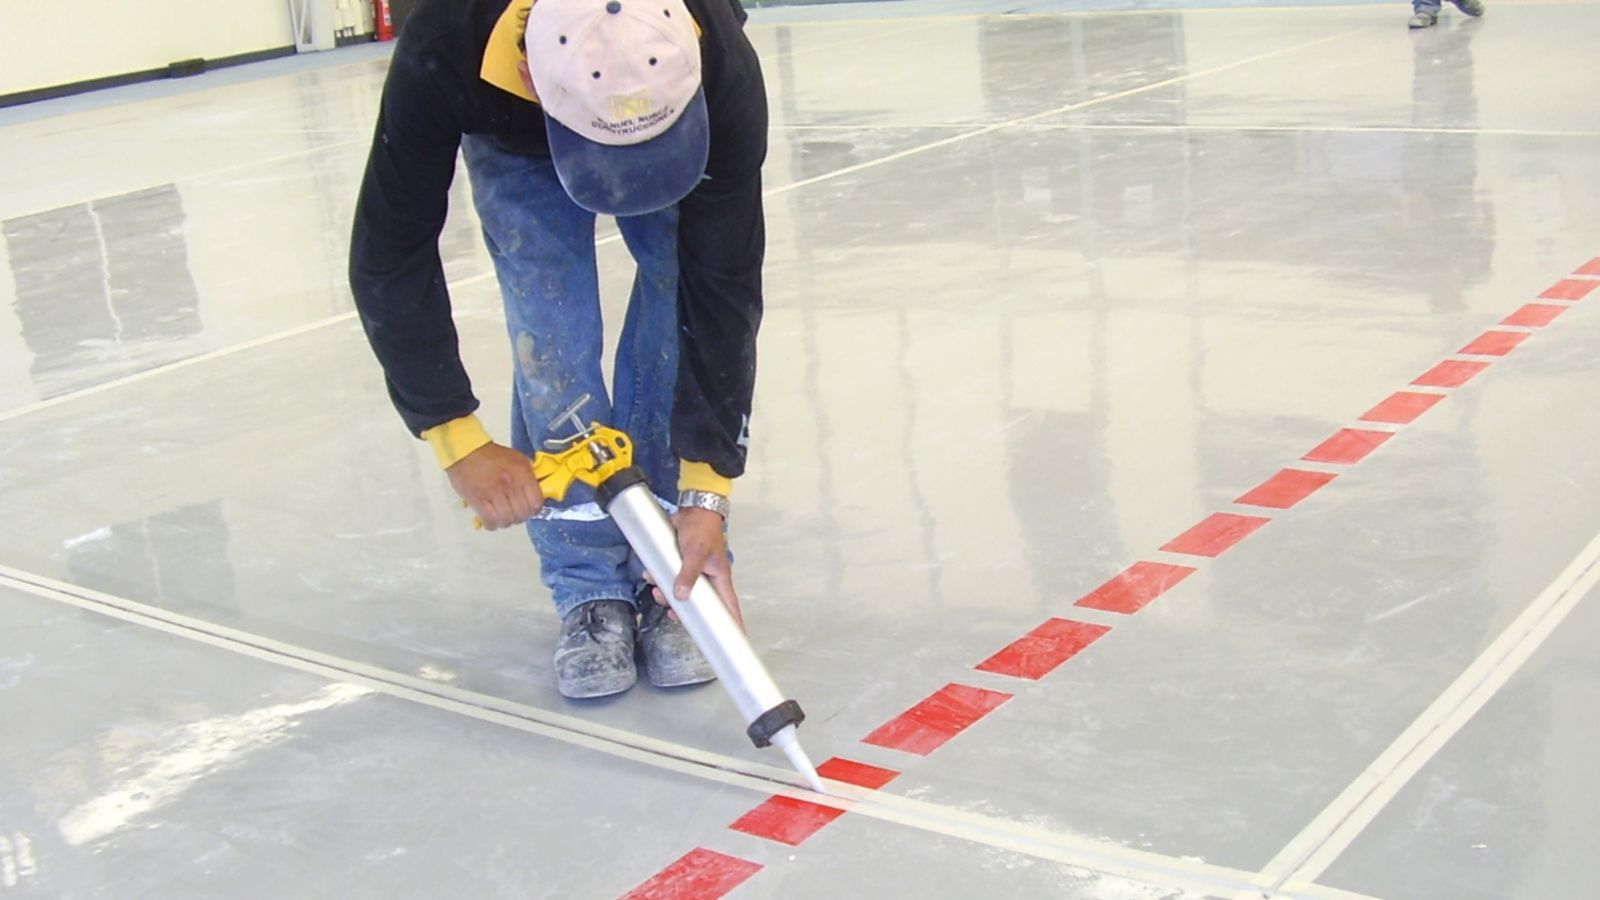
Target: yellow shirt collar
{"type": "Point", "coordinates": [504, 51]}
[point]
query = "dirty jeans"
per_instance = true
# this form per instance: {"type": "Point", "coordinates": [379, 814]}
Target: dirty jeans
{"type": "Point", "coordinates": [542, 245]}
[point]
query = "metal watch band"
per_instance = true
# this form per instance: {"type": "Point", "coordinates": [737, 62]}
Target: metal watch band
{"type": "Point", "coordinates": [717, 503]}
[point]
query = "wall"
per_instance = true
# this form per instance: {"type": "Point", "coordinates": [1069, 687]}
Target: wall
{"type": "Point", "coordinates": [44, 44]}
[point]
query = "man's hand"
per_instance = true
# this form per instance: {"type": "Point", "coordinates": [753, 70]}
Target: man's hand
{"type": "Point", "coordinates": [498, 483]}
{"type": "Point", "coordinates": [705, 552]}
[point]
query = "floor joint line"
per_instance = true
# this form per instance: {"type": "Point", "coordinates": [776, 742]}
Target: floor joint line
{"type": "Point", "coordinates": [1306, 856]}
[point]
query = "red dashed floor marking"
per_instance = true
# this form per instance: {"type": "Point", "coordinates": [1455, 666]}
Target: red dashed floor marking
{"type": "Point", "coordinates": [926, 727]}
{"type": "Point", "coordinates": [1534, 315]}
{"type": "Point", "coordinates": [857, 773]}
{"type": "Point", "coordinates": [1451, 373]}
{"type": "Point", "coordinates": [1215, 535]}
{"type": "Point", "coordinates": [700, 874]}
{"type": "Point", "coordinates": [1133, 588]}
{"type": "Point", "coordinates": [1592, 267]}
{"type": "Point", "coordinates": [1401, 408]}
{"type": "Point", "coordinates": [786, 820]}
{"type": "Point", "coordinates": [1040, 651]}
{"type": "Point", "coordinates": [1348, 446]}
{"type": "Point", "coordinates": [1494, 343]}
{"type": "Point", "coordinates": [1568, 289]}
{"type": "Point", "coordinates": [790, 821]}
{"type": "Point", "coordinates": [1286, 488]}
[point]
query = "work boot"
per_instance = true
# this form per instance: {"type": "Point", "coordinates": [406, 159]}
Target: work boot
{"type": "Point", "coordinates": [670, 657]}
{"type": "Point", "coordinates": [1472, 8]}
{"type": "Point", "coordinates": [594, 656]}
{"type": "Point", "coordinates": [1423, 19]}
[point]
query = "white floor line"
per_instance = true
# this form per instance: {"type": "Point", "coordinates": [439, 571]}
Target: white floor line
{"type": "Point", "coordinates": [1179, 126]}
{"type": "Point", "coordinates": [220, 352]}
{"type": "Point", "coordinates": [1183, 126]}
{"type": "Point", "coordinates": [229, 350]}
{"type": "Point", "coordinates": [768, 16]}
{"type": "Point", "coordinates": [764, 17]}
{"type": "Point", "coordinates": [8, 215]}
{"type": "Point", "coordinates": [364, 140]}
{"type": "Point", "coordinates": [1086, 853]}
{"type": "Point", "coordinates": [1309, 854]}
{"type": "Point", "coordinates": [1323, 129]}
{"type": "Point", "coordinates": [1060, 110]}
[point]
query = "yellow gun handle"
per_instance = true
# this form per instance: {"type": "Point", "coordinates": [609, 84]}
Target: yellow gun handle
{"type": "Point", "coordinates": [603, 452]}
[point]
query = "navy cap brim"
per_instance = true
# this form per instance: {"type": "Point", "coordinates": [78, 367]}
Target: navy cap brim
{"type": "Point", "coordinates": [637, 178]}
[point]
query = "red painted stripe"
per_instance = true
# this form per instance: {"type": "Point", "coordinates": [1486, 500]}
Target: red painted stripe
{"type": "Point", "coordinates": [700, 874]}
{"type": "Point", "coordinates": [1534, 315]}
{"type": "Point", "coordinates": [1286, 488]}
{"type": "Point", "coordinates": [790, 821]}
{"type": "Point", "coordinates": [1451, 373]}
{"type": "Point", "coordinates": [925, 727]}
{"type": "Point", "coordinates": [1348, 446]}
{"type": "Point", "coordinates": [1495, 343]}
{"type": "Point", "coordinates": [1215, 535]}
{"type": "Point", "coordinates": [1037, 653]}
{"type": "Point", "coordinates": [1592, 267]}
{"type": "Point", "coordinates": [857, 773]}
{"type": "Point", "coordinates": [1568, 289]}
{"type": "Point", "coordinates": [1401, 407]}
{"type": "Point", "coordinates": [1133, 588]}
{"type": "Point", "coordinates": [786, 820]}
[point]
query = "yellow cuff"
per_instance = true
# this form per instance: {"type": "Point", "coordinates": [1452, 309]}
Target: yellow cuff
{"type": "Point", "coordinates": [699, 476]}
{"type": "Point", "coordinates": [455, 439]}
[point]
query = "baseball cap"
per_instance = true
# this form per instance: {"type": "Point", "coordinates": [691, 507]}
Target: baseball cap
{"type": "Point", "coordinates": [619, 81]}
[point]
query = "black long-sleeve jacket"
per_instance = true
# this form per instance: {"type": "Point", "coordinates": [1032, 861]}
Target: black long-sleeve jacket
{"type": "Point", "coordinates": [438, 89]}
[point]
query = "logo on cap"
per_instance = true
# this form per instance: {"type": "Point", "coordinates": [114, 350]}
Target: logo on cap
{"type": "Point", "coordinates": [616, 72]}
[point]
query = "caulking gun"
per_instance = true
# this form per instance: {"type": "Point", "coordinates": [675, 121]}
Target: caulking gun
{"type": "Point", "coordinates": [602, 457]}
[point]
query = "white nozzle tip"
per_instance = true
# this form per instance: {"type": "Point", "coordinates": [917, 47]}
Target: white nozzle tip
{"type": "Point", "coordinates": [789, 743]}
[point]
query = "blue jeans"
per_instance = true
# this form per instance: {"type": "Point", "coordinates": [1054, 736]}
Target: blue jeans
{"type": "Point", "coordinates": [1427, 6]}
{"type": "Point", "coordinates": [542, 245]}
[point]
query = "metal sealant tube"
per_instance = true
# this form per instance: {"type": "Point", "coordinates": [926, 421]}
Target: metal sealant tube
{"type": "Point", "coordinates": [649, 532]}
{"type": "Point", "coordinates": [770, 719]}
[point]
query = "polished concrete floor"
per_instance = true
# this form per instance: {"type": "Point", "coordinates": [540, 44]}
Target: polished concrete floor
{"type": "Point", "coordinates": [1172, 477]}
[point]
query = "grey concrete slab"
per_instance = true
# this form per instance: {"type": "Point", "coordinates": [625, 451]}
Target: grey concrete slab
{"type": "Point", "coordinates": [1150, 374]}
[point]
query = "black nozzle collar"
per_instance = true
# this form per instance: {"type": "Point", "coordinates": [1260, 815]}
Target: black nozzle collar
{"type": "Point", "coordinates": [607, 491]}
{"type": "Point", "coordinates": [773, 721]}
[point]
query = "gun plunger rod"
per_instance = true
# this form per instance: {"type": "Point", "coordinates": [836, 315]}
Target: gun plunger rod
{"type": "Point", "coordinates": [627, 498]}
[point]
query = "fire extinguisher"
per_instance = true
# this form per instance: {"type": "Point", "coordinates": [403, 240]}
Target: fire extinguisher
{"type": "Point", "coordinates": [382, 19]}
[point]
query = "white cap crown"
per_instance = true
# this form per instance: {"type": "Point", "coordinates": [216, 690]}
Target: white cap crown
{"type": "Point", "coordinates": [616, 72]}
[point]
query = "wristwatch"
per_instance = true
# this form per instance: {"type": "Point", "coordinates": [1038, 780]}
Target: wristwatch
{"type": "Point", "coordinates": [717, 503]}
